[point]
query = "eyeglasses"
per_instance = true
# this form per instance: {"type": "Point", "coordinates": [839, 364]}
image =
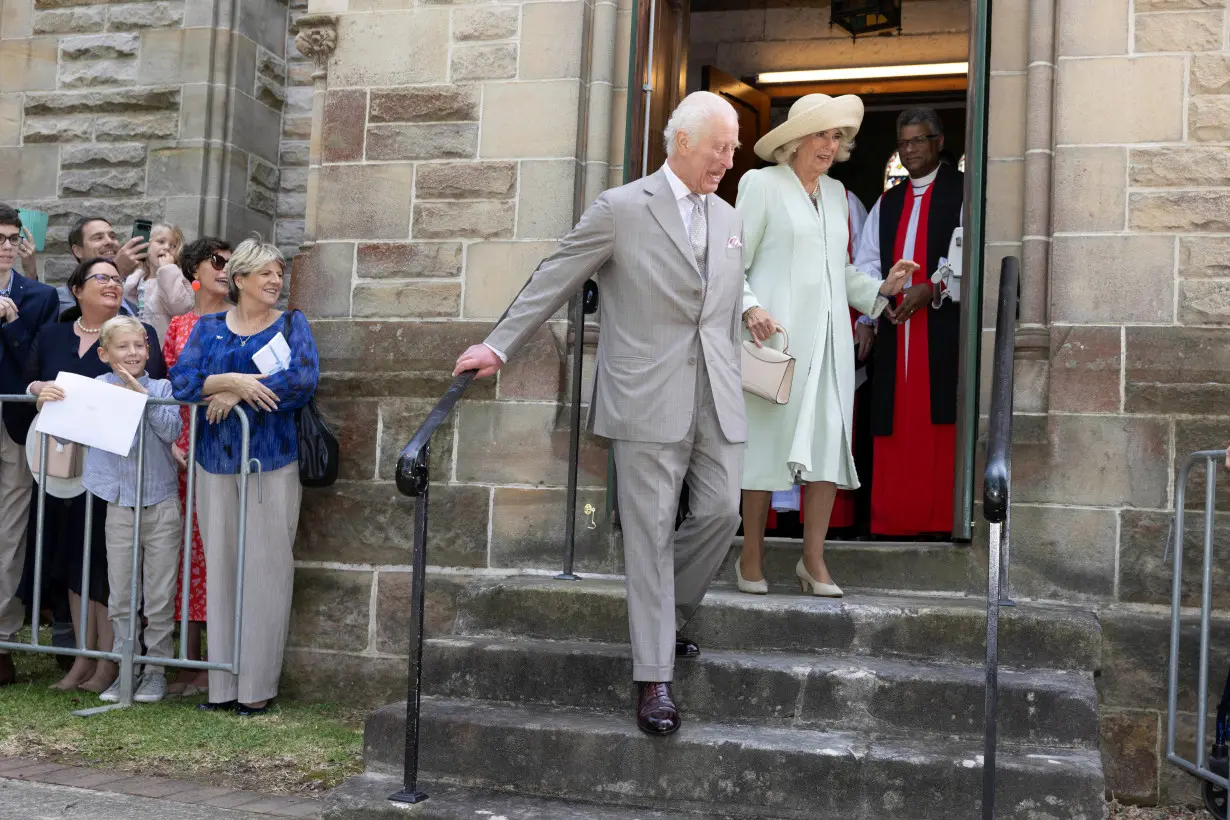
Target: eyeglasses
{"type": "Point", "coordinates": [13, 239]}
{"type": "Point", "coordinates": [102, 279]}
{"type": "Point", "coordinates": [916, 142]}
{"type": "Point", "coordinates": [219, 262]}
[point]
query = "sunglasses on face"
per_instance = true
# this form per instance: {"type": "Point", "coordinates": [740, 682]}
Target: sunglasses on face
{"type": "Point", "coordinates": [103, 278]}
{"type": "Point", "coordinates": [13, 239]}
{"type": "Point", "coordinates": [218, 262]}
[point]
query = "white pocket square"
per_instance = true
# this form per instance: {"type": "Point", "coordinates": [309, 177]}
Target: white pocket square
{"type": "Point", "coordinates": [734, 242]}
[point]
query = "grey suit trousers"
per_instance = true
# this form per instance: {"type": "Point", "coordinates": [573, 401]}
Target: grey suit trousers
{"type": "Point", "coordinates": [668, 572]}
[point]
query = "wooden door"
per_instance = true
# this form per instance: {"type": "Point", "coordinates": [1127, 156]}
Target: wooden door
{"type": "Point", "coordinates": [663, 65]}
{"type": "Point", "coordinates": [752, 106]}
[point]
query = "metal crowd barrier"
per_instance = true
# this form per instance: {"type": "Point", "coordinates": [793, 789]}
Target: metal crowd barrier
{"type": "Point", "coordinates": [1212, 459]}
{"type": "Point", "coordinates": [127, 656]}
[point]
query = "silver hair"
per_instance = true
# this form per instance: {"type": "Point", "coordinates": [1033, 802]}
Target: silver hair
{"type": "Point", "coordinates": [920, 116]}
{"type": "Point", "coordinates": [694, 115]}
{"type": "Point", "coordinates": [251, 255]}
{"type": "Point", "coordinates": [784, 155]}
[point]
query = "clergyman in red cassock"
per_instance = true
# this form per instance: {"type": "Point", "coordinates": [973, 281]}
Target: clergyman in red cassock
{"type": "Point", "coordinates": [914, 386]}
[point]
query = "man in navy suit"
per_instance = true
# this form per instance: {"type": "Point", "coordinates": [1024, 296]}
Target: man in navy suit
{"type": "Point", "coordinates": [25, 306]}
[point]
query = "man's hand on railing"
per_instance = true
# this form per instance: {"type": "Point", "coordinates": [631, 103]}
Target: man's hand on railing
{"type": "Point", "coordinates": [1228, 456]}
{"type": "Point", "coordinates": [481, 358]}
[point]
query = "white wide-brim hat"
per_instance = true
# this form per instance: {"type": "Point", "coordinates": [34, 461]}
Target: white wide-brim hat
{"type": "Point", "coordinates": [811, 115]}
{"type": "Point", "coordinates": [57, 487]}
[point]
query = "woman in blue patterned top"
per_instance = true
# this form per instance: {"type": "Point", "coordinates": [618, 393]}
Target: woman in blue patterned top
{"type": "Point", "coordinates": [217, 366]}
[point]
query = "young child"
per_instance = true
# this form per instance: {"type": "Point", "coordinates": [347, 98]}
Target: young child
{"type": "Point", "coordinates": [158, 288]}
{"type": "Point", "coordinates": [122, 344]}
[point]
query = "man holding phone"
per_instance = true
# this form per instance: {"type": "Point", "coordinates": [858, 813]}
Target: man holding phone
{"type": "Point", "coordinates": [25, 306]}
{"type": "Point", "coordinates": [93, 237]}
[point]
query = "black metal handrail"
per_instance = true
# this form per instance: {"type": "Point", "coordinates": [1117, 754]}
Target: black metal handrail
{"type": "Point", "coordinates": [996, 507]}
{"type": "Point", "coordinates": [413, 479]}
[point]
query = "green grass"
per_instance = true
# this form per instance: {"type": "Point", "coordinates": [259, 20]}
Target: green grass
{"type": "Point", "coordinates": [298, 748]}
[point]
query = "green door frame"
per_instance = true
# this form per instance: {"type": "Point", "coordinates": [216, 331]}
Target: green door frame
{"type": "Point", "coordinates": [974, 260]}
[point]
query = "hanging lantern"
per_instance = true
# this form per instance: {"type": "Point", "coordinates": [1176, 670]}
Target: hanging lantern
{"type": "Point", "coordinates": [866, 16]}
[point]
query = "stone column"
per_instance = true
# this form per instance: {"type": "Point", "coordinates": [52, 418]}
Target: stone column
{"type": "Point", "coordinates": [1033, 342]}
{"type": "Point", "coordinates": [316, 38]}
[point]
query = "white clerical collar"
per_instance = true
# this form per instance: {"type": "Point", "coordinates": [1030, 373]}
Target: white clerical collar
{"type": "Point", "coordinates": [923, 182]}
{"type": "Point", "coordinates": [678, 187]}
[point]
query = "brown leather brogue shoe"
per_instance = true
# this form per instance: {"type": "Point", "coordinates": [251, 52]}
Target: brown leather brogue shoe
{"type": "Point", "coordinates": [685, 647]}
{"type": "Point", "coordinates": [656, 713]}
{"type": "Point", "coordinates": [8, 674]}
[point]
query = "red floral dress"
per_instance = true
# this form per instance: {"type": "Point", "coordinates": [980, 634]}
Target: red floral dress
{"type": "Point", "coordinates": [177, 337]}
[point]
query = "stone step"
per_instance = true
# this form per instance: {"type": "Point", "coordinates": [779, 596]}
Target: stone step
{"type": "Point", "coordinates": [943, 629]}
{"type": "Point", "coordinates": [831, 692]}
{"type": "Point", "coordinates": [735, 769]}
{"type": "Point", "coordinates": [366, 797]}
{"type": "Point", "coordinates": [872, 565]}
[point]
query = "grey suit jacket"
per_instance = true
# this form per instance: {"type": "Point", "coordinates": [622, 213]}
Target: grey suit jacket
{"type": "Point", "coordinates": [657, 315]}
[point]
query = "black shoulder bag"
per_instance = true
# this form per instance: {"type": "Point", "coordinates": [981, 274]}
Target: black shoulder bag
{"type": "Point", "coordinates": [318, 449]}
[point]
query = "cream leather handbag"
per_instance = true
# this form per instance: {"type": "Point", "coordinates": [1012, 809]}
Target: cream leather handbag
{"type": "Point", "coordinates": [768, 373]}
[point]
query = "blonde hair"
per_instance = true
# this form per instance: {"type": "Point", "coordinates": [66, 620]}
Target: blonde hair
{"type": "Point", "coordinates": [177, 239]}
{"type": "Point", "coordinates": [251, 255]}
{"type": "Point", "coordinates": [784, 155]}
{"type": "Point", "coordinates": [117, 325]}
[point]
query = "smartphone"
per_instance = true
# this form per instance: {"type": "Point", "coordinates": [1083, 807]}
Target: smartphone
{"type": "Point", "coordinates": [142, 228]}
{"type": "Point", "coordinates": [36, 223]}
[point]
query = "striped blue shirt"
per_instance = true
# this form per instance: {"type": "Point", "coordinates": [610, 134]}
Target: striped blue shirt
{"type": "Point", "coordinates": [114, 478]}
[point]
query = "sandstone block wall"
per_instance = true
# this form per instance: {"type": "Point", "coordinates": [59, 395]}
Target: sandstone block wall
{"type": "Point", "coordinates": [441, 171]}
{"type": "Point", "coordinates": [164, 108]}
{"type": "Point", "coordinates": [1137, 316]}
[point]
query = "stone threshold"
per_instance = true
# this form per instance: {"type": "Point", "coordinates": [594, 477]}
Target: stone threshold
{"type": "Point", "coordinates": [161, 788]}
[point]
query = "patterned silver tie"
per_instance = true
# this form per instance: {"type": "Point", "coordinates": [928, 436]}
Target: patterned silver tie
{"type": "Point", "coordinates": [698, 234]}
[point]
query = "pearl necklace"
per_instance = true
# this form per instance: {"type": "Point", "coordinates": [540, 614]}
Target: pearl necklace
{"type": "Point", "coordinates": [87, 330]}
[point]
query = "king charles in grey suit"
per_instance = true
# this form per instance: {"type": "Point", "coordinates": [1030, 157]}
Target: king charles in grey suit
{"type": "Point", "coordinates": [668, 254]}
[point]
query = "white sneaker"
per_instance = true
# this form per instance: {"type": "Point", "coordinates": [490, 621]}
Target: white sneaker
{"type": "Point", "coordinates": [152, 689]}
{"type": "Point", "coordinates": [112, 693]}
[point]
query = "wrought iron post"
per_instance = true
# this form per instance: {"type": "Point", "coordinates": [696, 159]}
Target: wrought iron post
{"type": "Point", "coordinates": [420, 470]}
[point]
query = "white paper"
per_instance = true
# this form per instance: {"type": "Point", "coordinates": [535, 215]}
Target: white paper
{"type": "Point", "coordinates": [93, 413]}
{"type": "Point", "coordinates": [273, 357]}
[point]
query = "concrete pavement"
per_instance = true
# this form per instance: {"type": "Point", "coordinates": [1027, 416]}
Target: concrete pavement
{"type": "Point", "coordinates": [27, 800]}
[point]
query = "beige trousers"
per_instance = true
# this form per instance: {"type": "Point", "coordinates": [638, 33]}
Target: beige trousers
{"type": "Point", "coordinates": [667, 572]}
{"type": "Point", "coordinates": [162, 535]}
{"type": "Point", "coordinates": [268, 577]}
{"type": "Point", "coordinates": [16, 488]}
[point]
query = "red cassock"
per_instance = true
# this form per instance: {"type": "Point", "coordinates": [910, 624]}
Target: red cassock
{"type": "Point", "coordinates": [912, 469]}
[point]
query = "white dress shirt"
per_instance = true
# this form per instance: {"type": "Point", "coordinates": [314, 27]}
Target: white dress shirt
{"type": "Point", "coordinates": [681, 191]}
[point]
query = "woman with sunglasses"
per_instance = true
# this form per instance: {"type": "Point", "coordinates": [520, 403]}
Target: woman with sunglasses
{"type": "Point", "coordinates": [202, 262]}
{"type": "Point", "coordinates": [71, 346]}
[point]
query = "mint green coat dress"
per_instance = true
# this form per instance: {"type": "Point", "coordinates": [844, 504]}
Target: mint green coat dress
{"type": "Point", "coordinates": [797, 268]}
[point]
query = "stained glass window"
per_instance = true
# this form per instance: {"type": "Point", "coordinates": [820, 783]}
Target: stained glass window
{"type": "Point", "coordinates": [894, 171]}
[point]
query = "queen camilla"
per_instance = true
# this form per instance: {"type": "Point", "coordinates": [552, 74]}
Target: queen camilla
{"type": "Point", "coordinates": [799, 279]}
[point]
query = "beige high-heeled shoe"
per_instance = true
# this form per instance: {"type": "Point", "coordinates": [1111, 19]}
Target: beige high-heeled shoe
{"type": "Point", "coordinates": [760, 587]}
{"type": "Point", "coordinates": [816, 588]}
